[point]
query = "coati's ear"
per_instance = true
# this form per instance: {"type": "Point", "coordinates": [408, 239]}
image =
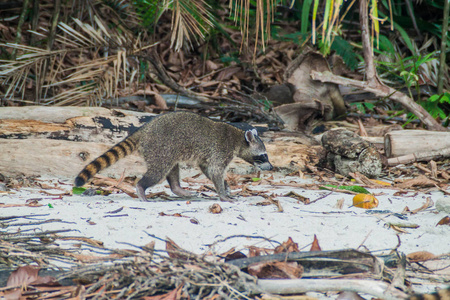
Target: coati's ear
{"type": "Point", "coordinates": [250, 135]}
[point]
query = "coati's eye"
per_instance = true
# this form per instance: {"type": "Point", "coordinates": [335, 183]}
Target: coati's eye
{"type": "Point", "coordinates": [260, 158]}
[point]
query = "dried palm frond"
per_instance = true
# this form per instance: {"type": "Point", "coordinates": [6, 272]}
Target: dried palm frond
{"type": "Point", "coordinates": [91, 64]}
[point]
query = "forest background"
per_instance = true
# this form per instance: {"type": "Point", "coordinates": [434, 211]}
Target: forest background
{"type": "Point", "coordinates": [95, 52]}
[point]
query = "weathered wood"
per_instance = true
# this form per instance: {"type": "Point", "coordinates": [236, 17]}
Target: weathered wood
{"type": "Point", "coordinates": [59, 147]}
{"type": "Point", "coordinates": [403, 142]}
{"type": "Point", "coordinates": [51, 114]}
{"type": "Point", "coordinates": [103, 129]}
{"type": "Point", "coordinates": [59, 158]}
{"type": "Point", "coordinates": [419, 156]}
{"type": "Point", "coordinates": [64, 159]}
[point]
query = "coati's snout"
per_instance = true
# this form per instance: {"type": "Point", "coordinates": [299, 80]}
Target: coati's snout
{"type": "Point", "coordinates": [262, 162]}
{"type": "Point", "coordinates": [256, 153]}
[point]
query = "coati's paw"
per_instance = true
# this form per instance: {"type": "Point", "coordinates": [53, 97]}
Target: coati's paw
{"type": "Point", "coordinates": [180, 192]}
{"type": "Point", "coordinates": [227, 199]}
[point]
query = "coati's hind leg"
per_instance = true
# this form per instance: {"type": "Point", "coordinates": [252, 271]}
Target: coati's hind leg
{"type": "Point", "coordinates": [216, 175]}
{"type": "Point", "coordinates": [174, 181]}
{"type": "Point", "coordinates": [148, 180]}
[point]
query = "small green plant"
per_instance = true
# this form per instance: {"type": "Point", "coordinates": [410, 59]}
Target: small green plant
{"type": "Point", "coordinates": [432, 105]}
{"type": "Point", "coordinates": [363, 107]}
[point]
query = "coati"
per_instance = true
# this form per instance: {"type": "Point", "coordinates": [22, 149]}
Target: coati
{"type": "Point", "coordinates": [176, 137]}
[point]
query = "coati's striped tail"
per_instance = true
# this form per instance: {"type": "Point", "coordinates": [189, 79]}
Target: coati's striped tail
{"type": "Point", "coordinates": [122, 149]}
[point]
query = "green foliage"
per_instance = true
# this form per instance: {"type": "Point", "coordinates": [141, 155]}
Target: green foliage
{"type": "Point", "coordinates": [363, 107]}
{"type": "Point", "coordinates": [346, 51]}
{"type": "Point", "coordinates": [149, 12]}
{"type": "Point", "coordinates": [432, 105]}
{"type": "Point", "coordinates": [78, 190]}
{"type": "Point", "coordinates": [353, 188]}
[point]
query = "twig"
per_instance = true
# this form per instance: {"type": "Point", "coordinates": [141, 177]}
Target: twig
{"type": "Point", "coordinates": [295, 286]}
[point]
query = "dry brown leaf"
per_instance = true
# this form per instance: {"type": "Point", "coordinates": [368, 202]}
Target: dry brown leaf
{"type": "Point", "coordinates": [420, 181]}
{"type": "Point", "coordinates": [211, 66]}
{"type": "Point", "coordinates": [258, 251]}
{"type": "Point", "coordinates": [160, 102]}
{"type": "Point", "coordinates": [288, 246]}
{"type": "Point", "coordinates": [175, 251]}
{"type": "Point", "coordinates": [420, 256]}
{"type": "Point", "coordinates": [23, 276]}
{"type": "Point", "coordinates": [276, 269]}
{"type": "Point", "coordinates": [227, 73]}
{"type": "Point", "coordinates": [315, 245]}
{"type": "Point", "coordinates": [444, 221]}
{"type": "Point", "coordinates": [28, 275]}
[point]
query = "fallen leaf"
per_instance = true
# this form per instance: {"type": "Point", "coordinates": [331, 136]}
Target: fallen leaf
{"type": "Point", "coordinates": [315, 245]}
{"type": "Point", "coordinates": [420, 256]}
{"type": "Point", "coordinates": [175, 251]}
{"type": "Point", "coordinates": [28, 275]}
{"type": "Point", "coordinates": [288, 246]}
{"type": "Point", "coordinates": [444, 221]}
{"type": "Point", "coordinates": [420, 181]}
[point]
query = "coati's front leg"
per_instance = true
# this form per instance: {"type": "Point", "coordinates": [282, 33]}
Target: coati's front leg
{"type": "Point", "coordinates": [216, 175]}
{"type": "Point", "coordinates": [174, 181]}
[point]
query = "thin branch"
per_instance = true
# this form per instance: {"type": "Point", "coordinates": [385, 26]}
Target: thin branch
{"type": "Point", "coordinates": [19, 26]}
{"type": "Point", "coordinates": [443, 48]}
{"type": "Point", "coordinates": [382, 90]}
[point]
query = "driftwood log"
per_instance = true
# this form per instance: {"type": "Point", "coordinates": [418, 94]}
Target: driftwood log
{"type": "Point", "coordinates": [403, 142]}
{"type": "Point", "coordinates": [60, 141]}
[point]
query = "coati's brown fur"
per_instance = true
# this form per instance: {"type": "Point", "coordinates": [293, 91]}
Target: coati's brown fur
{"type": "Point", "coordinates": [172, 138]}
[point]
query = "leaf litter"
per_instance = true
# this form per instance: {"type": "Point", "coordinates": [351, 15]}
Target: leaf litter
{"type": "Point", "coordinates": [232, 282]}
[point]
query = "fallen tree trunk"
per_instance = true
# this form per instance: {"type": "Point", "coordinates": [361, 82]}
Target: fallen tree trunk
{"type": "Point", "coordinates": [399, 143]}
{"type": "Point", "coordinates": [63, 140]}
{"type": "Point", "coordinates": [59, 158]}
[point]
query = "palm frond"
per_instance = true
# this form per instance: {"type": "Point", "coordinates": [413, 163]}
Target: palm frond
{"type": "Point", "coordinates": [102, 69]}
